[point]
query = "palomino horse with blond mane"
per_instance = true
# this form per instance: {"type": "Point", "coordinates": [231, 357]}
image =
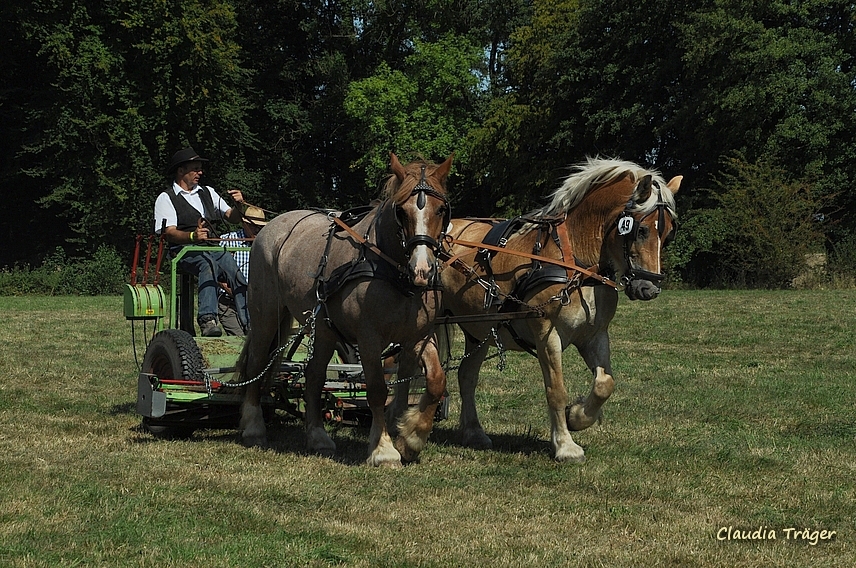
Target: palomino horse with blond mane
{"type": "Point", "coordinates": [603, 230]}
{"type": "Point", "coordinates": [368, 281]}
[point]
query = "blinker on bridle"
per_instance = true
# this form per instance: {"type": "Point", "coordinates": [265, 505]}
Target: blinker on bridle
{"type": "Point", "coordinates": [421, 188]}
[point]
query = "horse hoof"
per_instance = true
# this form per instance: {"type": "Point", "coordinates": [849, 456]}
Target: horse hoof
{"type": "Point", "coordinates": [477, 440]}
{"type": "Point", "coordinates": [578, 420]}
{"type": "Point", "coordinates": [320, 443]}
{"type": "Point", "coordinates": [324, 452]}
{"type": "Point", "coordinates": [378, 461]}
{"type": "Point", "coordinates": [384, 455]}
{"type": "Point", "coordinates": [408, 455]}
{"type": "Point", "coordinates": [576, 456]}
{"type": "Point", "coordinates": [254, 441]}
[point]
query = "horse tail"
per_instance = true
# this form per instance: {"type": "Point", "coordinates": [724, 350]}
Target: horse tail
{"type": "Point", "coordinates": [276, 352]}
{"type": "Point", "coordinates": [284, 337]}
{"type": "Point", "coordinates": [241, 363]}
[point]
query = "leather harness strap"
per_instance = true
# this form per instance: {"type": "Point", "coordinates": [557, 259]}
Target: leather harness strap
{"type": "Point", "coordinates": [369, 245]}
{"type": "Point", "coordinates": [565, 246]}
{"type": "Point", "coordinates": [564, 264]}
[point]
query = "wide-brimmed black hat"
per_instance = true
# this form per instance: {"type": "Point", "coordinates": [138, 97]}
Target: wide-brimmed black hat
{"type": "Point", "coordinates": [183, 156]}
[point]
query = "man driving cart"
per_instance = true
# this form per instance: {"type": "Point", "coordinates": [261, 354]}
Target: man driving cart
{"type": "Point", "coordinates": [183, 215]}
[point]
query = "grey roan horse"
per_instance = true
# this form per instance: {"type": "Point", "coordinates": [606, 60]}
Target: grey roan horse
{"type": "Point", "coordinates": [369, 285]}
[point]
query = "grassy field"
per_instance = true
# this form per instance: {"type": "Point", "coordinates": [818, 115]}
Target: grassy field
{"type": "Point", "coordinates": [732, 410]}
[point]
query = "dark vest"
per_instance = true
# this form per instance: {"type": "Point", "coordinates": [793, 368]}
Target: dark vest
{"type": "Point", "coordinates": [187, 215]}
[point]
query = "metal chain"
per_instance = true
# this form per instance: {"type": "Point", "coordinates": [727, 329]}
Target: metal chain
{"type": "Point", "coordinates": [404, 380]}
{"type": "Point", "coordinates": [501, 364]}
{"type": "Point", "coordinates": [500, 353]}
{"type": "Point", "coordinates": [208, 379]}
{"type": "Point", "coordinates": [310, 346]}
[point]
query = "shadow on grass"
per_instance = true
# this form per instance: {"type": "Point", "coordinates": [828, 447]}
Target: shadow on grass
{"type": "Point", "coordinates": [517, 443]}
{"type": "Point", "coordinates": [124, 408]}
{"type": "Point", "coordinates": [287, 436]}
{"type": "Point", "coordinates": [837, 429]}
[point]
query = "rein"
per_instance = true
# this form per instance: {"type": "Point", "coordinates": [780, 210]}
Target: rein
{"type": "Point", "coordinates": [567, 265]}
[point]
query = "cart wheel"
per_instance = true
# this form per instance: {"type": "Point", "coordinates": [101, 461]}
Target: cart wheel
{"type": "Point", "coordinates": [172, 354]}
{"type": "Point", "coordinates": [348, 353]}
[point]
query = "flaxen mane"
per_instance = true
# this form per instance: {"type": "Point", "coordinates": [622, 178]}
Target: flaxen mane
{"type": "Point", "coordinates": [595, 172]}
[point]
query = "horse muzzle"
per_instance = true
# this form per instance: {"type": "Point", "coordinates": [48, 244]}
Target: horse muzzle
{"type": "Point", "coordinates": [642, 285]}
{"type": "Point", "coordinates": [423, 266]}
{"type": "Point", "coordinates": [424, 273]}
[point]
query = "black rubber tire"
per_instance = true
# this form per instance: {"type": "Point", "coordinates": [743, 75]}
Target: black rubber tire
{"type": "Point", "coordinates": [173, 354]}
{"type": "Point", "coordinates": [348, 353]}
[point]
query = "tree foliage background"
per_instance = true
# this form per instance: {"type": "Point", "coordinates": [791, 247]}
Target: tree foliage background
{"type": "Point", "coordinates": [299, 102]}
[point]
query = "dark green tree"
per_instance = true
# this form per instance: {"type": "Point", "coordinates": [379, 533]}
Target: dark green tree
{"type": "Point", "coordinates": [129, 84]}
{"type": "Point", "coordinates": [441, 62]}
{"type": "Point", "coordinates": [423, 110]}
{"type": "Point", "coordinates": [514, 161]}
{"type": "Point", "coordinates": [759, 234]}
{"type": "Point", "coordinates": [29, 230]}
{"type": "Point", "coordinates": [773, 81]}
{"type": "Point", "coordinates": [302, 56]}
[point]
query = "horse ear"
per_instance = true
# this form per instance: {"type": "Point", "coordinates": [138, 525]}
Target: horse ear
{"type": "Point", "coordinates": [442, 170]}
{"type": "Point", "coordinates": [643, 189]}
{"type": "Point", "coordinates": [396, 167]}
{"type": "Point", "coordinates": [675, 184]}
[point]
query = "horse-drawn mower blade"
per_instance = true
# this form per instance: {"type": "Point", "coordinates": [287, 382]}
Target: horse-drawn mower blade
{"type": "Point", "coordinates": [150, 401]}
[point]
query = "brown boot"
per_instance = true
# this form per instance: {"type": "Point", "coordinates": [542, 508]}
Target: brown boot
{"type": "Point", "coordinates": [209, 326]}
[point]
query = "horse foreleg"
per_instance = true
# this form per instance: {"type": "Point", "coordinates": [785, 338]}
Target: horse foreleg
{"type": "Point", "coordinates": [586, 411]}
{"type": "Point", "coordinates": [472, 433]}
{"type": "Point", "coordinates": [398, 406]}
{"type": "Point", "coordinates": [550, 358]}
{"type": "Point", "coordinates": [416, 424]}
{"type": "Point", "coordinates": [317, 439]}
{"type": "Point", "coordinates": [382, 452]}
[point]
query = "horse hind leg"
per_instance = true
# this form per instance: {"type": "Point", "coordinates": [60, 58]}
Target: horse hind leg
{"type": "Point", "coordinates": [259, 343]}
{"type": "Point", "coordinates": [472, 433]}
{"type": "Point", "coordinates": [318, 441]}
{"type": "Point", "coordinates": [252, 424]}
{"type": "Point", "coordinates": [416, 424]}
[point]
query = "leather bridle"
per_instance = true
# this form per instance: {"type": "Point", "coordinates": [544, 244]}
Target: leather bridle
{"type": "Point", "coordinates": [422, 190]}
{"type": "Point", "coordinates": [627, 227]}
